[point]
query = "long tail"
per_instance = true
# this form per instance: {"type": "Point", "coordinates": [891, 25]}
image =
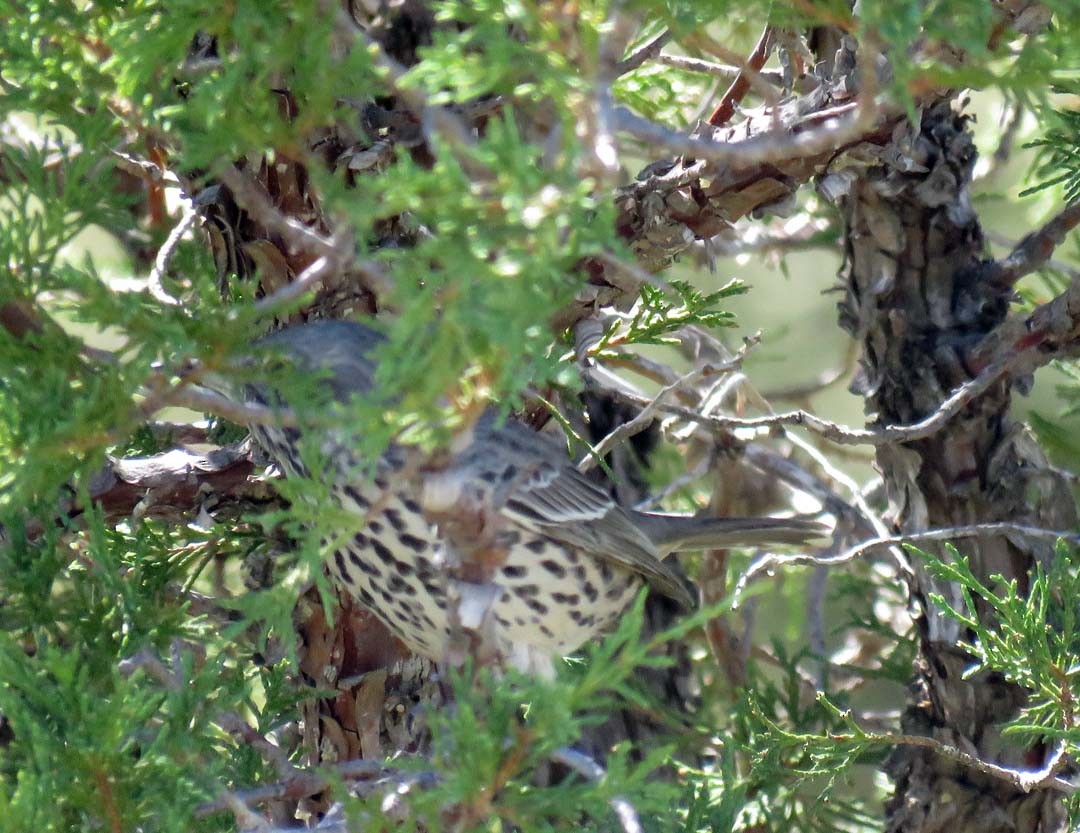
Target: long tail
{"type": "Point", "coordinates": [674, 533]}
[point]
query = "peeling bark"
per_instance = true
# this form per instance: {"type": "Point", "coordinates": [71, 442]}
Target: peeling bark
{"type": "Point", "coordinates": [919, 295]}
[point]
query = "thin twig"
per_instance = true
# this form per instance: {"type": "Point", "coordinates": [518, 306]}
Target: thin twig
{"type": "Point", "coordinates": [845, 435]}
{"type": "Point", "coordinates": [646, 415]}
{"type": "Point", "coordinates": [643, 53]}
{"type": "Point", "coordinates": [295, 289]}
{"type": "Point", "coordinates": [948, 533]}
{"type": "Point", "coordinates": [165, 255]}
{"type": "Point", "coordinates": [253, 198]}
{"type": "Point", "coordinates": [723, 72]}
{"type": "Point", "coordinates": [590, 769]}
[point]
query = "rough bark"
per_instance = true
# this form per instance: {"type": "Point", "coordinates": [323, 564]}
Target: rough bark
{"type": "Point", "coordinates": [920, 296]}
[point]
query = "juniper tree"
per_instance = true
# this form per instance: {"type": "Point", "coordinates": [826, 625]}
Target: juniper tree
{"type": "Point", "coordinates": [550, 208]}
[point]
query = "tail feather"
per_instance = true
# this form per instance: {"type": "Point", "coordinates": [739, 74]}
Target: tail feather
{"type": "Point", "coordinates": [675, 533]}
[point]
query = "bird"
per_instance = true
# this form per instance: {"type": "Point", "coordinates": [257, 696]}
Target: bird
{"type": "Point", "coordinates": [502, 536]}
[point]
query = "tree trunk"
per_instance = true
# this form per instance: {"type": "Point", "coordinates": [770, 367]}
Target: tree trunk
{"type": "Point", "coordinates": [920, 297]}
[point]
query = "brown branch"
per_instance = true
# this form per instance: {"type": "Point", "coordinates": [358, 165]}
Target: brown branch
{"type": "Point", "coordinates": [171, 483]}
{"type": "Point", "coordinates": [741, 85]}
{"type": "Point", "coordinates": [1036, 248]}
{"type": "Point", "coordinates": [643, 53]}
{"type": "Point", "coordinates": [299, 785]}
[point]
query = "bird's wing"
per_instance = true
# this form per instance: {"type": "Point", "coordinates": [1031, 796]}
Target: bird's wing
{"type": "Point", "coordinates": [552, 498]}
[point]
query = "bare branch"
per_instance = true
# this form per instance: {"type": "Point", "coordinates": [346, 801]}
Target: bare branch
{"type": "Point", "coordinates": [298, 785]}
{"type": "Point", "coordinates": [949, 533]}
{"type": "Point", "coordinates": [844, 435]}
{"type": "Point", "coordinates": [1035, 249]}
{"type": "Point", "coordinates": [590, 769]}
{"type": "Point", "coordinates": [1025, 781]}
{"type": "Point", "coordinates": [723, 72]}
{"type": "Point", "coordinates": [643, 53]}
{"type": "Point", "coordinates": [165, 254]}
{"type": "Point", "coordinates": [646, 415]}
{"type": "Point", "coordinates": [839, 126]}
{"type": "Point", "coordinates": [208, 401]}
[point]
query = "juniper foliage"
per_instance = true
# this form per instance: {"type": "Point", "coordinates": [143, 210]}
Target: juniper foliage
{"type": "Point", "coordinates": [144, 679]}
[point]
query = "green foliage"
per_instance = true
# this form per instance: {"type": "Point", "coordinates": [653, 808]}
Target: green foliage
{"type": "Point", "coordinates": [1032, 638]}
{"type": "Point", "coordinates": [118, 680]}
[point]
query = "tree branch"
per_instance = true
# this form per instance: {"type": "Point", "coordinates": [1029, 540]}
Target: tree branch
{"type": "Point", "coordinates": [1036, 248]}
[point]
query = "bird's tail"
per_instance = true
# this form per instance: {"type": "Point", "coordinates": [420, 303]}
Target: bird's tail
{"type": "Point", "coordinates": [675, 533]}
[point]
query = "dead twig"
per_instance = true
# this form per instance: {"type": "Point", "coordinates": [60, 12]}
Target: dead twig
{"type": "Point", "coordinates": [948, 533]}
{"type": "Point", "coordinates": [741, 85]}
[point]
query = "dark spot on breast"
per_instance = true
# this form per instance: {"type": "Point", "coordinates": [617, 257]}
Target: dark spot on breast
{"type": "Point", "coordinates": [411, 505]}
{"type": "Point", "coordinates": [375, 527]}
{"type": "Point", "coordinates": [339, 559]}
{"type": "Point", "coordinates": [504, 622]}
{"type": "Point", "coordinates": [365, 566]}
{"type": "Point", "coordinates": [357, 498]}
{"type": "Point", "coordinates": [572, 556]}
{"type": "Point", "coordinates": [524, 590]}
{"type": "Point", "coordinates": [519, 621]}
{"type": "Point", "coordinates": [412, 542]}
{"type": "Point", "coordinates": [563, 598]}
{"type": "Point", "coordinates": [394, 518]}
{"type": "Point", "coordinates": [579, 573]}
{"type": "Point", "coordinates": [405, 605]}
{"type": "Point", "coordinates": [553, 567]}
{"type": "Point", "coordinates": [399, 585]}
{"type": "Point", "coordinates": [575, 616]}
{"type": "Point", "coordinates": [488, 476]}
{"type": "Point", "coordinates": [438, 598]}
{"type": "Point", "coordinates": [591, 593]}
{"type": "Point", "coordinates": [546, 631]}
{"type": "Point", "coordinates": [365, 596]}
{"type": "Point", "coordinates": [605, 571]}
{"type": "Point", "coordinates": [537, 545]}
{"type": "Point", "coordinates": [513, 571]}
{"type": "Point", "coordinates": [509, 473]}
{"type": "Point", "coordinates": [539, 607]}
{"type": "Point", "coordinates": [361, 539]}
{"type": "Point", "coordinates": [382, 551]}
{"type": "Point", "coordinates": [404, 568]}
